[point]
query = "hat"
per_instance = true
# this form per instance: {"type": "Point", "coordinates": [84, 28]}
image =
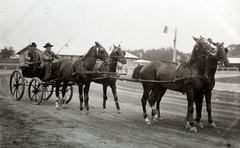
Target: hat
{"type": "Point", "coordinates": [34, 44]}
{"type": "Point", "coordinates": [48, 45]}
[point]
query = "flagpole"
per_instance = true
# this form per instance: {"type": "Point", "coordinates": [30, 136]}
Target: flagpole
{"type": "Point", "coordinates": [174, 42]}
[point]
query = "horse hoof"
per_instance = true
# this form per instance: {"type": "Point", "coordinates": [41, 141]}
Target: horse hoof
{"type": "Point", "coordinates": [187, 125]}
{"type": "Point", "coordinates": [213, 125]}
{"type": "Point", "coordinates": [148, 122]}
{"type": "Point", "coordinates": [200, 124]}
{"type": "Point", "coordinates": [193, 129]}
{"type": "Point", "coordinates": [88, 112]}
{"type": "Point", "coordinates": [57, 108]}
{"type": "Point", "coordinates": [104, 110]}
{"type": "Point", "coordinates": [119, 111]}
{"type": "Point", "coordinates": [64, 106]}
{"type": "Point", "coordinates": [57, 105]}
{"type": "Point", "coordinates": [160, 118]}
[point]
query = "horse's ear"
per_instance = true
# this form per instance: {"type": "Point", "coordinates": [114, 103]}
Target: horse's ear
{"type": "Point", "coordinates": [195, 39]}
{"type": "Point", "coordinates": [119, 46]}
{"type": "Point", "coordinates": [215, 44]}
{"type": "Point", "coordinates": [97, 44]}
{"type": "Point", "coordinates": [209, 40]}
{"type": "Point", "coordinates": [114, 46]}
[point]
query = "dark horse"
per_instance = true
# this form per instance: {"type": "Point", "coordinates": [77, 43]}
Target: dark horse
{"type": "Point", "coordinates": [185, 77]}
{"type": "Point", "coordinates": [76, 72]}
{"type": "Point", "coordinates": [218, 55]}
{"type": "Point", "coordinates": [117, 55]}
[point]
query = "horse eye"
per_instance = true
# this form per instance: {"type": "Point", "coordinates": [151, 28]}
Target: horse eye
{"type": "Point", "coordinates": [226, 51]}
{"type": "Point", "coordinates": [100, 51]}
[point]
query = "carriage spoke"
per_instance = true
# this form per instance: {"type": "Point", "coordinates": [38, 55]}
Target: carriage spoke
{"type": "Point", "coordinates": [18, 90]}
{"type": "Point", "coordinates": [16, 93]}
{"type": "Point", "coordinates": [32, 95]}
{"type": "Point", "coordinates": [13, 93]}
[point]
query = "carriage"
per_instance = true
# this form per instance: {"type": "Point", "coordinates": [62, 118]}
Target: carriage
{"type": "Point", "coordinates": [38, 89]}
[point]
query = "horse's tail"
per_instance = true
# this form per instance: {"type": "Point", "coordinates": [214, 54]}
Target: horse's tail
{"type": "Point", "coordinates": [136, 72]}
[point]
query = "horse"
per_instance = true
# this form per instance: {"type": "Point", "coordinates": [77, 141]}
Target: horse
{"type": "Point", "coordinates": [76, 72]}
{"type": "Point", "coordinates": [117, 55]}
{"type": "Point", "coordinates": [185, 78]}
{"type": "Point", "coordinates": [219, 55]}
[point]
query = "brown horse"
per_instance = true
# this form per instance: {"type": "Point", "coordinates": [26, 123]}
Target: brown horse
{"type": "Point", "coordinates": [73, 71]}
{"type": "Point", "coordinates": [219, 55]}
{"type": "Point", "coordinates": [117, 55]}
{"type": "Point", "coordinates": [185, 77]}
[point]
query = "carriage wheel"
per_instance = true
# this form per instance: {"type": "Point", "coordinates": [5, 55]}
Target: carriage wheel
{"type": "Point", "coordinates": [35, 91]}
{"type": "Point", "coordinates": [47, 91]}
{"type": "Point", "coordinates": [68, 94]}
{"type": "Point", "coordinates": [17, 85]}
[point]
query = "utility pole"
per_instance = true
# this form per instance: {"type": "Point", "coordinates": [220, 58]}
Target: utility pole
{"type": "Point", "coordinates": [174, 42]}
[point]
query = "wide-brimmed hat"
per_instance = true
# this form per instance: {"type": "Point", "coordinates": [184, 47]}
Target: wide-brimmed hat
{"type": "Point", "coordinates": [34, 44]}
{"type": "Point", "coordinates": [48, 45]}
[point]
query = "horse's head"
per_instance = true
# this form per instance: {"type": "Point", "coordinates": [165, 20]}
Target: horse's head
{"type": "Point", "coordinates": [102, 53]}
{"type": "Point", "coordinates": [118, 55]}
{"type": "Point", "coordinates": [202, 45]}
{"type": "Point", "coordinates": [220, 53]}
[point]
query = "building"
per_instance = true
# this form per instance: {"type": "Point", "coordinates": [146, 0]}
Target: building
{"type": "Point", "coordinates": [234, 65]}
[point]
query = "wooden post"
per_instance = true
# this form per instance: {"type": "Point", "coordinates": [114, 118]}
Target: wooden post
{"type": "Point", "coordinates": [174, 42]}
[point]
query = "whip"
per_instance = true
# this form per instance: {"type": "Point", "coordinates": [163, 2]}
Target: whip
{"type": "Point", "coordinates": [69, 40]}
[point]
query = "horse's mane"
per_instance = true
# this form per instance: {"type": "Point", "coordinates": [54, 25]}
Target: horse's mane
{"type": "Point", "coordinates": [90, 51]}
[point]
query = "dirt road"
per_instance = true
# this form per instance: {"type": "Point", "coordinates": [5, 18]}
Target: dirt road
{"type": "Point", "coordinates": [27, 125]}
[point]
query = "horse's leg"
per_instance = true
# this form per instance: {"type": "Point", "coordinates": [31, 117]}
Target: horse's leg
{"type": "Point", "coordinates": [86, 97]}
{"type": "Point", "coordinates": [65, 84]}
{"type": "Point", "coordinates": [151, 100]}
{"type": "Point", "coordinates": [146, 91]}
{"type": "Point", "coordinates": [208, 96]}
{"type": "Point", "coordinates": [104, 96]}
{"type": "Point", "coordinates": [190, 125]}
{"type": "Point", "coordinates": [114, 91]}
{"type": "Point", "coordinates": [57, 94]}
{"type": "Point", "coordinates": [80, 88]}
{"type": "Point", "coordinates": [198, 102]}
{"type": "Point", "coordinates": [159, 98]}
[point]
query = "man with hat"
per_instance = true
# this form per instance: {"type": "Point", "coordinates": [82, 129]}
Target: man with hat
{"type": "Point", "coordinates": [47, 60]}
{"type": "Point", "coordinates": [33, 57]}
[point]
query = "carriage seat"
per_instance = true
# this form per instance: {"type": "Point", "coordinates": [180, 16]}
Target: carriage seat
{"type": "Point", "coordinates": [33, 65]}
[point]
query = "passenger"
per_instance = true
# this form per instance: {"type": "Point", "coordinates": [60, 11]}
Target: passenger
{"type": "Point", "coordinates": [47, 60]}
{"type": "Point", "coordinates": [34, 57]}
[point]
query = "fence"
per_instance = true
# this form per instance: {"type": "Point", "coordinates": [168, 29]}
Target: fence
{"type": "Point", "coordinates": [228, 69]}
{"type": "Point", "coordinates": [7, 66]}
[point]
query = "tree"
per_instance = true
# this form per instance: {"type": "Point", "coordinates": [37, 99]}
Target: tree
{"type": "Point", "coordinates": [159, 54]}
{"type": "Point", "coordinates": [7, 52]}
{"type": "Point", "coordinates": [234, 50]}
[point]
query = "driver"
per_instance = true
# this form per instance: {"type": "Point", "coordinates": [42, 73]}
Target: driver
{"type": "Point", "coordinates": [47, 60]}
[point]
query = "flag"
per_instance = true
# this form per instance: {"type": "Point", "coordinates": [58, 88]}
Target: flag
{"type": "Point", "coordinates": [165, 29]}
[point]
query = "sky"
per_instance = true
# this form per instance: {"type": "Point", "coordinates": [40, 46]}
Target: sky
{"type": "Point", "coordinates": [134, 24]}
